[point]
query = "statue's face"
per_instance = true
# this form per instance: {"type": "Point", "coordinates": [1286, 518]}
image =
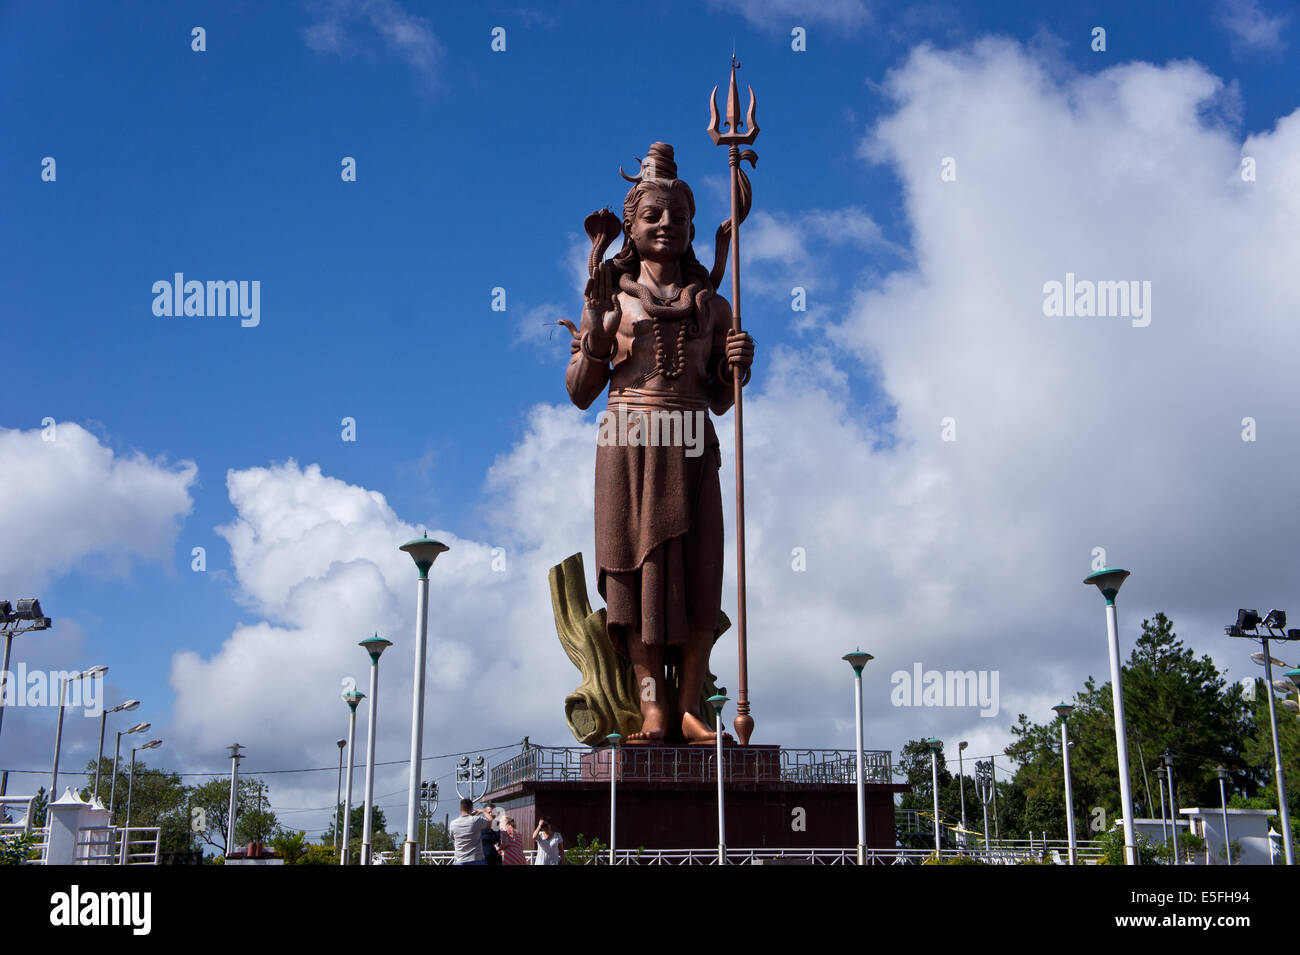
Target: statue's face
{"type": "Point", "coordinates": [661, 227]}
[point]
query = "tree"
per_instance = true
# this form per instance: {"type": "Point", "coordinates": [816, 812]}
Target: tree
{"type": "Point", "coordinates": [1173, 701]}
{"type": "Point", "coordinates": [210, 811]}
{"type": "Point", "coordinates": [381, 839]}
{"type": "Point", "coordinates": [157, 798]}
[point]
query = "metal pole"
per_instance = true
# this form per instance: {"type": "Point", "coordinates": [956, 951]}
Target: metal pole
{"type": "Point", "coordinates": [58, 741]}
{"type": "Point", "coordinates": [411, 855]}
{"type": "Point", "coordinates": [961, 790]}
{"type": "Point", "coordinates": [1223, 802]}
{"type": "Point", "coordinates": [126, 830]}
{"type": "Point", "coordinates": [112, 792]}
{"type": "Point", "coordinates": [862, 796]}
{"type": "Point", "coordinates": [986, 830]}
{"type": "Point", "coordinates": [1173, 808]}
{"type": "Point", "coordinates": [1121, 741]}
{"type": "Point", "coordinates": [1164, 830]}
{"type": "Point", "coordinates": [722, 818]}
{"type": "Point", "coordinates": [352, 763]}
{"type": "Point", "coordinates": [338, 798]}
{"type": "Point", "coordinates": [4, 674]}
{"type": "Point", "coordinates": [1069, 795]}
{"type": "Point", "coordinates": [1283, 810]}
{"type": "Point", "coordinates": [234, 790]}
{"type": "Point", "coordinates": [614, 765]}
{"type": "Point", "coordinates": [103, 722]}
{"type": "Point", "coordinates": [934, 769]}
{"type": "Point", "coordinates": [371, 720]}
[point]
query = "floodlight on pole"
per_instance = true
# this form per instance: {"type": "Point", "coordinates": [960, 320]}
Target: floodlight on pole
{"type": "Point", "coordinates": [424, 552]}
{"type": "Point", "coordinates": [1063, 710]}
{"type": "Point", "coordinates": [13, 621]}
{"type": "Point", "coordinates": [1173, 802]}
{"type": "Point", "coordinates": [90, 674]}
{"type": "Point", "coordinates": [1248, 626]}
{"type": "Point", "coordinates": [859, 659]}
{"type": "Point", "coordinates": [375, 646]}
{"type": "Point", "coordinates": [1108, 580]}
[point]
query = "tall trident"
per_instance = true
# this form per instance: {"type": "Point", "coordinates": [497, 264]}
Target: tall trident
{"type": "Point", "coordinates": [729, 231]}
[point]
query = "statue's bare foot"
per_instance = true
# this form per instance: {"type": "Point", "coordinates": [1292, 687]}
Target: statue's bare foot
{"type": "Point", "coordinates": [654, 725]}
{"type": "Point", "coordinates": [697, 731]}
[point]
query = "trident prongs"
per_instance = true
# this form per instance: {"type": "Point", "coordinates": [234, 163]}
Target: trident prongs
{"type": "Point", "coordinates": [735, 137]}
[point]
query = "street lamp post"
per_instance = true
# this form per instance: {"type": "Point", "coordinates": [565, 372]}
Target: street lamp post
{"type": "Point", "coordinates": [984, 789]}
{"type": "Point", "coordinates": [375, 646]}
{"type": "Point", "coordinates": [103, 721]}
{"type": "Point", "coordinates": [1063, 710]}
{"type": "Point", "coordinates": [130, 785]}
{"type": "Point", "coordinates": [117, 751]}
{"type": "Point", "coordinates": [338, 792]}
{"type": "Point", "coordinates": [58, 731]}
{"type": "Point", "coordinates": [351, 698]}
{"type": "Point", "coordinates": [935, 745]}
{"type": "Point", "coordinates": [719, 700]}
{"type": "Point", "coordinates": [614, 766]}
{"type": "Point", "coordinates": [235, 757]}
{"type": "Point", "coordinates": [859, 659]}
{"type": "Point", "coordinates": [1160, 781]}
{"type": "Point", "coordinates": [429, 796]}
{"type": "Point", "coordinates": [1108, 581]}
{"type": "Point", "coordinates": [1222, 773]}
{"type": "Point", "coordinates": [1173, 802]}
{"type": "Point", "coordinates": [961, 789]}
{"type": "Point", "coordinates": [424, 552]}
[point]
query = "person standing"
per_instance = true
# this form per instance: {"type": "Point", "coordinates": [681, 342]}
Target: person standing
{"type": "Point", "coordinates": [512, 847]}
{"type": "Point", "coordinates": [466, 834]}
{"type": "Point", "coordinates": [490, 837]}
{"type": "Point", "coordinates": [550, 844]}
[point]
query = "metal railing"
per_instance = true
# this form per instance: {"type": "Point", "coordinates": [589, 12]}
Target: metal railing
{"type": "Point", "coordinates": [1004, 855]}
{"type": "Point", "coordinates": [693, 763]}
{"type": "Point", "coordinates": [141, 845]}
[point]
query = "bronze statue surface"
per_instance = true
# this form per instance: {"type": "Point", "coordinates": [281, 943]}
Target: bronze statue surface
{"type": "Point", "coordinates": [655, 335]}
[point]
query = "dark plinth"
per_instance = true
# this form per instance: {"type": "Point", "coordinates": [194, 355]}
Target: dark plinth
{"type": "Point", "coordinates": [667, 796]}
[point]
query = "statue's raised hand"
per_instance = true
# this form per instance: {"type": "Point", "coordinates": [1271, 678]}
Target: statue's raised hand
{"type": "Point", "coordinates": [601, 311]}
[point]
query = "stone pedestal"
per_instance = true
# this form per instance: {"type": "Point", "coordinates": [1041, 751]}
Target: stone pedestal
{"type": "Point", "coordinates": [77, 833]}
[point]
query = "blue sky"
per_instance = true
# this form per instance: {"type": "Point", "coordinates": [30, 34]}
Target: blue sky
{"type": "Point", "coordinates": [475, 170]}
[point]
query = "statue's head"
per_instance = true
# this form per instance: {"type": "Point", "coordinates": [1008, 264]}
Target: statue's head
{"type": "Point", "coordinates": [659, 212]}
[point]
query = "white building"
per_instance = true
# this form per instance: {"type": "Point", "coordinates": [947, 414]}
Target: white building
{"type": "Point", "coordinates": [1248, 830]}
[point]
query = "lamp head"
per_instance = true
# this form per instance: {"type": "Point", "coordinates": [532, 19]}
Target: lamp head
{"type": "Point", "coordinates": [1063, 709]}
{"type": "Point", "coordinates": [1247, 619]}
{"type": "Point", "coordinates": [375, 646]}
{"type": "Point", "coordinates": [1108, 580]}
{"type": "Point", "coordinates": [152, 744]}
{"type": "Point", "coordinates": [139, 728]}
{"type": "Point", "coordinates": [857, 659]}
{"type": "Point", "coordinates": [614, 739]}
{"type": "Point", "coordinates": [128, 705]}
{"type": "Point", "coordinates": [1275, 620]}
{"type": "Point", "coordinates": [424, 552]}
{"type": "Point", "coordinates": [29, 608]}
{"type": "Point", "coordinates": [340, 743]}
{"type": "Point", "coordinates": [962, 745]}
{"type": "Point", "coordinates": [93, 672]}
{"type": "Point", "coordinates": [1293, 676]}
{"type": "Point", "coordinates": [352, 698]}
{"type": "Point", "coordinates": [1222, 772]}
{"type": "Point", "coordinates": [934, 743]}
{"type": "Point", "coordinates": [718, 700]}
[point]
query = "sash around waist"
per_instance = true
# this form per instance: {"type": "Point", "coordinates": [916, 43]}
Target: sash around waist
{"type": "Point", "coordinates": [635, 399]}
